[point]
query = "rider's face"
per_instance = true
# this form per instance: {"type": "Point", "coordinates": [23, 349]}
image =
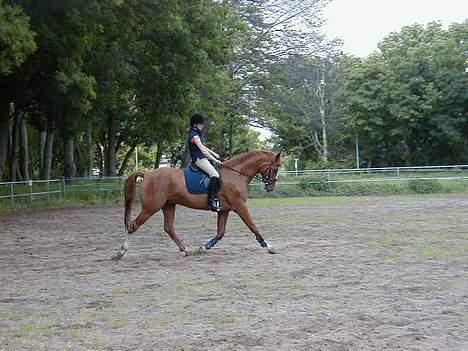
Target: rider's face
{"type": "Point", "coordinates": [200, 126]}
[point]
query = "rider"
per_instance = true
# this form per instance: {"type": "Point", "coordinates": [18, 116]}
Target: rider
{"type": "Point", "coordinates": [201, 157]}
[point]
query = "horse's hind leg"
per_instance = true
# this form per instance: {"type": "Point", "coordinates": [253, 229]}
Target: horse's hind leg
{"type": "Point", "coordinates": [169, 217]}
{"type": "Point", "coordinates": [132, 228]}
{"type": "Point", "coordinates": [140, 220]}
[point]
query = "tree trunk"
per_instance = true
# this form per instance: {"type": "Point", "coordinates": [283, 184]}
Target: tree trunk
{"type": "Point", "coordinates": [123, 167]}
{"type": "Point", "coordinates": [111, 157]}
{"type": "Point", "coordinates": [231, 137]}
{"type": "Point", "coordinates": [24, 150]}
{"type": "Point", "coordinates": [42, 143]}
{"type": "Point", "coordinates": [101, 158]}
{"type": "Point", "coordinates": [48, 153]}
{"type": "Point", "coordinates": [4, 133]}
{"type": "Point", "coordinates": [69, 158]}
{"type": "Point", "coordinates": [158, 156]}
{"type": "Point", "coordinates": [186, 157]}
{"type": "Point", "coordinates": [89, 143]}
{"type": "Point", "coordinates": [323, 120]}
{"type": "Point", "coordinates": [14, 141]}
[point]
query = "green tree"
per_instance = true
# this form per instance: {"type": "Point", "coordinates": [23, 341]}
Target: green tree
{"type": "Point", "coordinates": [408, 102]}
{"type": "Point", "coordinates": [16, 37]}
{"type": "Point", "coordinates": [52, 88]}
{"type": "Point", "coordinates": [301, 103]}
{"type": "Point", "coordinates": [276, 31]}
{"type": "Point", "coordinates": [180, 57]}
{"type": "Point", "coordinates": [16, 43]}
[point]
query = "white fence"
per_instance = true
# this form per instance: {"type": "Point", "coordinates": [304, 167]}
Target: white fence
{"type": "Point", "coordinates": [14, 193]}
{"type": "Point", "coordinates": [384, 174]}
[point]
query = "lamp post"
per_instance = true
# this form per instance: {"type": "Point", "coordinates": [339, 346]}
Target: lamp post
{"type": "Point", "coordinates": [136, 157]}
{"type": "Point", "coordinates": [357, 151]}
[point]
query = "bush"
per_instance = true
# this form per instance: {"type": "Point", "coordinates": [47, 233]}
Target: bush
{"type": "Point", "coordinates": [425, 186]}
{"type": "Point", "coordinates": [314, 184]}
{"type": "Point", "coordinates": [366, 189]}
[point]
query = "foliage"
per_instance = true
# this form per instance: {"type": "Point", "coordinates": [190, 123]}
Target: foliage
{"type": "Point", "coordinates": [425, 186]}
{"type": "Point", "coordinates": [111, 75]}
{"type": "Point", "coordinates": [318, 186]}
{"type": "Point", "coordinates": [88, 81]}
{"type": "Point", "coordinates": [301, 106]}
{"type": "Point", "coordinates": [407, 102]}
{"type": "Point", "coordinates": [16, 38]}
{"type": "Point", "coordinates": [276, 30]}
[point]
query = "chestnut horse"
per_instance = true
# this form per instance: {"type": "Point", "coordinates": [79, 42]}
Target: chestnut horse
{"type": "Point", "coordinates": [164, 188]}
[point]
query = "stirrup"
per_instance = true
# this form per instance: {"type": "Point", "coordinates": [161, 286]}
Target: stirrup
{"type": "Point", "coordinates": [214, 204]}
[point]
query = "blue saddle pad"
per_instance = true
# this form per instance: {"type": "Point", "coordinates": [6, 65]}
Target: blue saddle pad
{"type": "Point", "coordinates": [196, 181]}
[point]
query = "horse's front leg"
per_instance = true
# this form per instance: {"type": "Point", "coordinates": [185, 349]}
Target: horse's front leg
{"type": "Point", "coordinates": [222, 220]}
{"type": "Point", "coordinates": [244, 213]}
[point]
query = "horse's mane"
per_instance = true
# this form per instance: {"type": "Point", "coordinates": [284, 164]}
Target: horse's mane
{"type": "Point", "coordinates": [242, 157]}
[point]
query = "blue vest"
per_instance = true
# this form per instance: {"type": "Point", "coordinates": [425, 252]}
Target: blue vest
{"type": "Point", "coordinates": [195, 152]}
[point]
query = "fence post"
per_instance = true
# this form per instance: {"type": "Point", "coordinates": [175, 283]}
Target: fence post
{"type": "Point", "coordinates": [12, 190]}
{"type": "Point", "coordinates": [48, 191]}
{"type": "Point", "coordinates": [30, 183]}
{"type": "Point", "coordinates": [63, 188]}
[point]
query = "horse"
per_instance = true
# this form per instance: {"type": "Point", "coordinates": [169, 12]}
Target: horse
{"type": "Point", "coordinates": [164, 188]}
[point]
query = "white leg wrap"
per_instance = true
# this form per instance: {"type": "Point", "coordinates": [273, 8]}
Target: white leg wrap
{"type": "Point", "coordinates": [270, 248]}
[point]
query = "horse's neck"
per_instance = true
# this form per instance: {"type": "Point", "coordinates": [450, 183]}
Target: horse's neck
{"type": "Point", "coordinates": [252, 165]}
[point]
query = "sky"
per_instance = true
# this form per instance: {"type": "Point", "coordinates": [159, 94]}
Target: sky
{"type": "Point", "coordinates": [361, 24]}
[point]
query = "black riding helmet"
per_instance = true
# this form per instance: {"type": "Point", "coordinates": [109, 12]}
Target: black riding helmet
{"type": "Point", "coordinates": [197, 118]}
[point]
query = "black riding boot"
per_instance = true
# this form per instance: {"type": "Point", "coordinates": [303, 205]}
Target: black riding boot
{"type": "Point", "coordinates": [213, 189]}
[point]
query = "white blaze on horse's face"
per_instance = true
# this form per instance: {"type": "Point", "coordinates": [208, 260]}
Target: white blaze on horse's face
{"type": "Point", "coordinates": [271, 181]}
{"type": "Point", "coordinates": [270, 175]}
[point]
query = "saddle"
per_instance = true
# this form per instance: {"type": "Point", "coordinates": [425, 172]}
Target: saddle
{"type": "Point", "coordinates": [196, 181]}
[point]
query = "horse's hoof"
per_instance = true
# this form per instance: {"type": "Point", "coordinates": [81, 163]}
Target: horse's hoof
{"type": "Point", "coordinates": [200, 251]}
{"type": "Point", "coordinates": [272, 251]}
{"type": "Point", "coordinates": [117, 257]}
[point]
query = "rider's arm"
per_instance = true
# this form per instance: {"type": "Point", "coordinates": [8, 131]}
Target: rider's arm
{"type": "Point", "coordinates": [196, 140]}
{"type": "Point", "coordinates": [212, 153]}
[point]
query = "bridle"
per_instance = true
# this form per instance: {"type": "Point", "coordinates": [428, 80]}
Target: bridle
{"type": "Point", "coordinates": [265, 179]}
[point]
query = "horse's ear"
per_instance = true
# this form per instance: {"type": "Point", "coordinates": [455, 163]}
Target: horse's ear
{"type": "Point", "coordinates": [279, 157]}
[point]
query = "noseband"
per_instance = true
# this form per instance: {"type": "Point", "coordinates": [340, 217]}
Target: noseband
{"type": "Point", "coordinates": [268, 179]}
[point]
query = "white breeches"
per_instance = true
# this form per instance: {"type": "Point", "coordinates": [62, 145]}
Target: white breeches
{"type": "Point", "coordinates": [207, 167]}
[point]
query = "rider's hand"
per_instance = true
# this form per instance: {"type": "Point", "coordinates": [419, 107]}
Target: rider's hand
{"type": "Point", "coordinates": [217, 161]}
{"type": "Point", "coordinates": [216, 155]}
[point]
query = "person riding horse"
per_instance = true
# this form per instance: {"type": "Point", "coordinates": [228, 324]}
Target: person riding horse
{"type": "Point", "coordinates": [201, 157]}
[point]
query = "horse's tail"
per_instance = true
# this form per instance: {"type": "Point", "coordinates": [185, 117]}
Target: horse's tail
{"type": "Point", "coordinates": [129, 191]}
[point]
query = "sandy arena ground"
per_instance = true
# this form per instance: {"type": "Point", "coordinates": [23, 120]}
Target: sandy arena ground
{"type": "Point", "coordinates": [362, 273]}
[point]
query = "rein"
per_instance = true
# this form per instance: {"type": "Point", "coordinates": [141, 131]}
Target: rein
{"type": "Point", "coordinates": [265, 179]}
{"type": "Point", "coordinates": [241, 173]}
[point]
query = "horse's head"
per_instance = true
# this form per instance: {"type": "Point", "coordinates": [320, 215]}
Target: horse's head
{"type": "Point", "coordinates": [270, 171]}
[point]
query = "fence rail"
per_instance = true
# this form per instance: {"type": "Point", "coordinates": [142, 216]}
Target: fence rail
{"type": "Point", "coordinates": [397, 170]}
{"type": "Point", "coordinates": [46, 190]}
{"type": "Point", "coordinates": [13, 193]}
{"type": "Point", "coordinates": [353, 175]}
